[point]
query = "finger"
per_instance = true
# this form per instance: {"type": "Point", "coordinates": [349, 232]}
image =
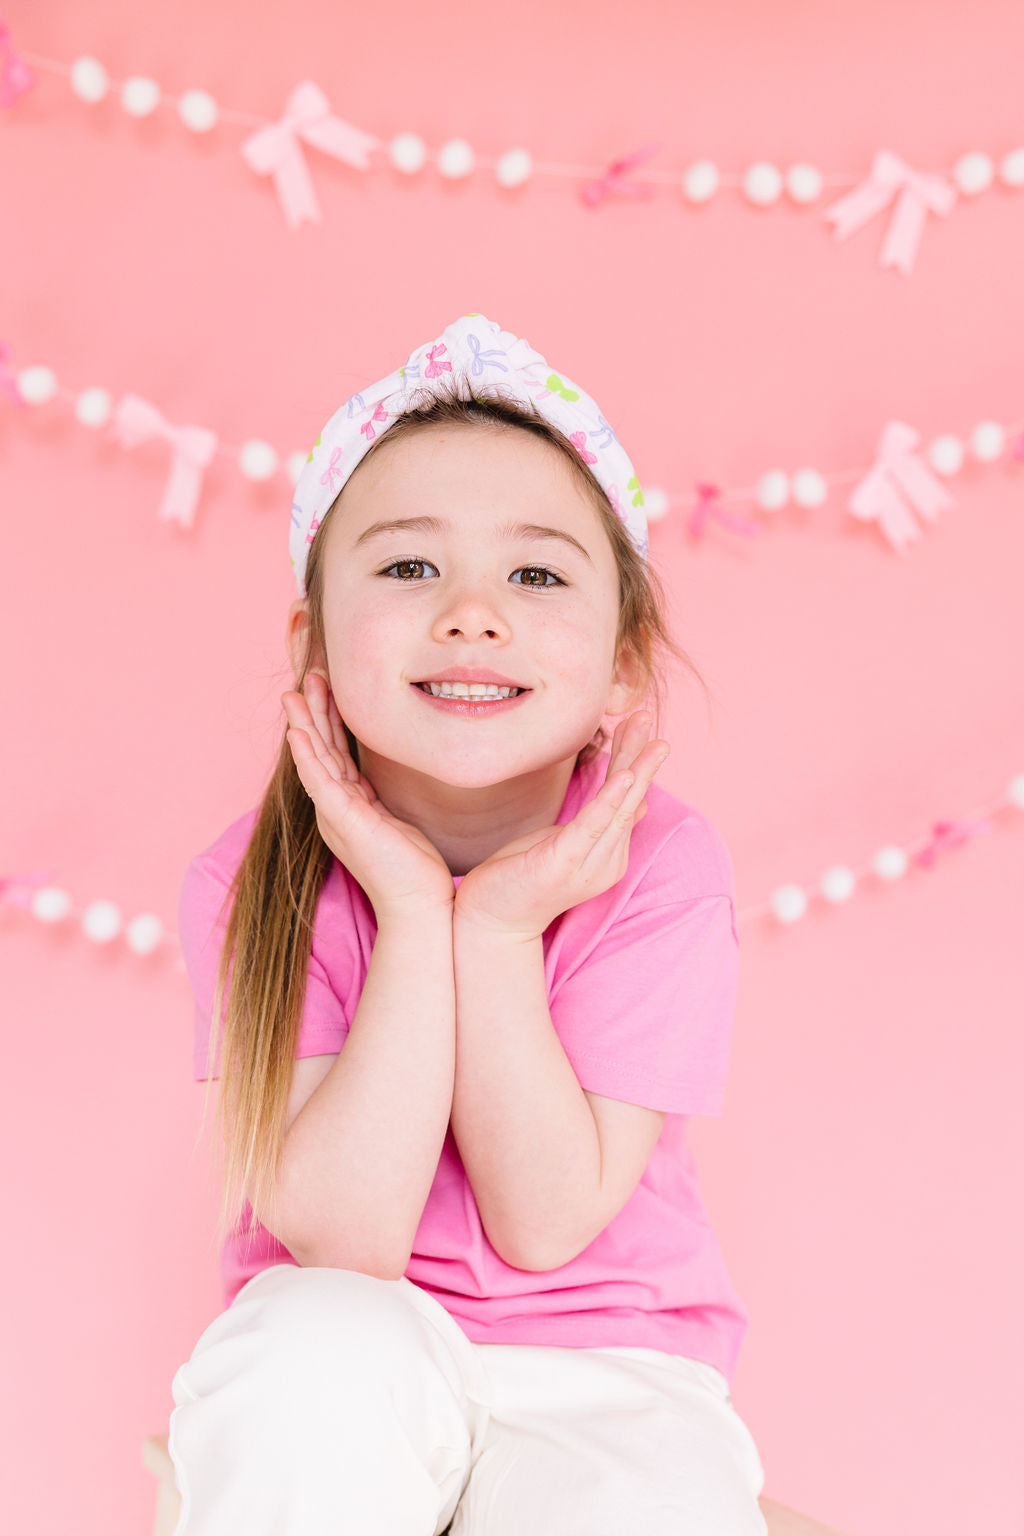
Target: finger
{"type": "Point", "coordinates": [611, 815]}
{"type": "Point", "coordinates": [340, 739]}
{"type": "Point", "coordinates": [300, 717]}
{"type": "Point", "coordinates": [630, 739]}
{"type": "Point", "coordinates": [318, 777]}
{"type": "Point", "coordinates": [313, 691]}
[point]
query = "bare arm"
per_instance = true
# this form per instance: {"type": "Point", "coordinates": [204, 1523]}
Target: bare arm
{"type": "Point", "coordinates": [360, 1157]}
{"type": "Point", "coordinates": [525, 1131]}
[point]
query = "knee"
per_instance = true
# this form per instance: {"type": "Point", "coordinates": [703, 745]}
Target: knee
{"type": "Point", "coordinates": [324, 1320]}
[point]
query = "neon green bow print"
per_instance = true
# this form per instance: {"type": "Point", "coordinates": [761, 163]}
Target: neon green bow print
{"type": "Point", "coordinates": [554, 383]}
{"type": "Point", "coordinates": [634, 485]}
{"type": "Point", "coordinates": [315, 446]}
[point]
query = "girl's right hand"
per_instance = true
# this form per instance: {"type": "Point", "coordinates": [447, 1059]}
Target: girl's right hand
{"type": "Point", "coordinates": [397, 866]}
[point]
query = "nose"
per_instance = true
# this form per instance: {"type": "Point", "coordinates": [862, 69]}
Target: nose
{"type": "Point", "coordinates": [472, 610]}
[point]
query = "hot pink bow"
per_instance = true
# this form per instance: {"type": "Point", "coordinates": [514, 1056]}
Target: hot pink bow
{"type": "Point", "coordinates": [17, 889]}
{"type": "Point", "coordinates": [897, 482]}
{"type": "Point", "coordinates": [707, 508]}
{"type": "Point", "coordinates": [947, 834]}
{"type": "Point", "coordinates": [15, 75]}
{"type": "Point", "coordinates": [614, 179]}
{"type": "Point", "coordinates": [919, 194]}
{"type": "Point", "coordinates": [276, 149]}
{"type": "Point", "coordinates": [136, 420]}
{"type": "Point", "coordinates": [8, 382]}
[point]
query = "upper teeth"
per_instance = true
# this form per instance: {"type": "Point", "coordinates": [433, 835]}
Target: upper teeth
{"type": "Point", "coordinates": [470, 691]}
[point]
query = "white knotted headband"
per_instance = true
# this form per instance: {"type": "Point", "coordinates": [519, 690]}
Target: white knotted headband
{"type": "Point", "coordinates": [476, 349]}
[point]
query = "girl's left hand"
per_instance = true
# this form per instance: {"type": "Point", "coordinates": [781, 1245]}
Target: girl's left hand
{"type": "Point", "coordinates": [523, 887]}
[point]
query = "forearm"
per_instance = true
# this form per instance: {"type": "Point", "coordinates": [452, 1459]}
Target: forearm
{"type": "Point", "coordinates": [525, 1131]}
{"type": "Point", "coordinates": [360, 1157]}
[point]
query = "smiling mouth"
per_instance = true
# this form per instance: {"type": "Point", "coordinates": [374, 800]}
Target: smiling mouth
{"type": "Point", "coordinates": [497, 697]}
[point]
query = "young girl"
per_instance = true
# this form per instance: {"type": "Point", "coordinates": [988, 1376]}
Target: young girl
{"type": "Point", "coordinates": [479, 973]}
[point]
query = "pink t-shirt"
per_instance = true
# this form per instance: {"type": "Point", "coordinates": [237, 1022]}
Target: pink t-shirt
{"type": "Point", "coordinates": [641, 984]}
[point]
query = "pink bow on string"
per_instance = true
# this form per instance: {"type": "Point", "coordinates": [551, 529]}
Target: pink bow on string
{"type": "Point", "coordinates": [135, 421]}
{"type": "Point", "coordinates": [8, 382]}
{"type": "Point", "coordinates": [919, 194]}
{"type": "Point", "coordinates": [707, 508]}
{"type": "Point", "coordinates": [947, 834]}
{"type": "Point", "coordinates": [17, 889]}
{"type": "Point", "coordinates": [898, 481]}
{"type": "Point", "coordinates": [276, 150]}
{"type": "Point", "coordinates": [15, 75]}
{"type": "Point", "coordinates": [614, 179]}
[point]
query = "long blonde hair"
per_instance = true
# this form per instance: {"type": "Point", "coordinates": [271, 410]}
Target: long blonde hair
{"type": "Point", "coordinates": [277, 885]}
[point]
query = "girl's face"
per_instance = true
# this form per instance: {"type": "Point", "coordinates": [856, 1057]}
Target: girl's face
{"type": "Point", "coordinates": [403, 604]}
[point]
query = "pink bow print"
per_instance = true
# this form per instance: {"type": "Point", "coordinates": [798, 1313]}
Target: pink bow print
{"type": "Point", "coordinates": [276, 150]}
{"type": "Point", "coordinates": [434, 368]}
{"type": "Point", "coordinates": [379, 414]}
{"type": "Point", "coordinates": [135, 421]}
{"type": "Point", "coordinates": [579, 442]}
{"type": "Point", "coordinates": [919, 194]}
{"type": "Point", "coordinates": [898, 481]}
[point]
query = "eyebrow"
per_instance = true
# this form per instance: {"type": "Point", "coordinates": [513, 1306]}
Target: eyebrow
{"type": "Point", "coordinates": [438, 525]}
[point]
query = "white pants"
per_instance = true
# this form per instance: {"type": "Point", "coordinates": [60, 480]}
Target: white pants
{"type": "Point", "coordinates": [325, 1402]}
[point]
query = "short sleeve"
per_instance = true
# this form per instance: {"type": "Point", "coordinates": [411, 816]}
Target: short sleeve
{"type": "Point", "coordinates": [647, 1017]}
{"type": "Point", "coordinates": [202, 926]}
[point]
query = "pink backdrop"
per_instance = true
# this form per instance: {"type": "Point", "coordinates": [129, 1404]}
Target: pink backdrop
{"type": "Point", "coordinates": [865, 1176]}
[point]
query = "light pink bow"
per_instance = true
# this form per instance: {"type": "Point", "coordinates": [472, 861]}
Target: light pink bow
{"type": "Point", "coordinates": [919, 194]}
{"type": "Point", "coordinates": [898, 481]}
{"type": "Point", "coordinates": [135, 421]}
{"type": "Point", "coordinates": [276, 149]}
{"type": "Point", "coordinates": [614, 179]}
{"type": "Point", "coordinates": [708, 507]}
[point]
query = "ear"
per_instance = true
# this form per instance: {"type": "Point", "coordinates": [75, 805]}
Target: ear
{"type": "Point", "coordinates": [297, 634]}
{"type": "Point", "coordinates": [626, 691]}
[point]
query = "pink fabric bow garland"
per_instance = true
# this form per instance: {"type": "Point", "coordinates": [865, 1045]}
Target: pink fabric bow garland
{"type": "Point", "coordinates": [135, 421]}
{"type": "Point", "coordinates": [919, 194]}
{"type": "Point", "coordinates": [275, 150]}
{"type": "Point", "coordinates": [897, 482]}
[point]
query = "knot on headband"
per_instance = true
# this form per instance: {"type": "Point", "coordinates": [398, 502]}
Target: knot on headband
{"type": "Point", "coordinates": [475, 350]}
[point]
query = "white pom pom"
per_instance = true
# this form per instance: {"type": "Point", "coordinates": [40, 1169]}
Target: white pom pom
{"type": "Point", "coordinates": [50, 904]}
{"type": "Point", "coordinates": [295, 464]}
{"type": "Point", "coordinates": [809, 488]}
{"type": "Point", "coordinates": [144, 933]}
{"type": "Point", "coordinates": [655, 503]}
{"type": "Point", "coordinates": [945, 454]}
{"type": "Point", "coordinates": [772, 490]}
{"type": "Point", "coordinates": [93, 407]}
{"type": "Point", "coordinates": [101, 921]}
{"type": "Point", "coordinates": [514, 167]}
{"type": "Point", "coordinates": [789, 903]}
{"type": "Point", "coordinates": [973, 173]}
{"type": "Point", "coordinates": [838, 883]}
{"type": "Point", "coordinates": [36, 385]}
{"type": "Point", "coordinates": [455, 158]}
{"type": "Point", "coordinates": [700, 181]}
{"type": "Point", "coordinates": [988, 441]}
{"type": "Point", "coordinates": [257, 460]}
{"type": "Point", "coordinates": [803, 183]}
{"type": "Point", "coordinates": [890, 863]}
{"type": "Point", "coordinates": [89, 79]}
{"type": "Point", "coordinates": [139, 96]}
{"type": "Point", "coordinates": [1016, 791]}
{"type": "Point", "coordinates": [407, 152]}
{"type": "Point", "coordinates": [762, 183]}
{"type": "Point", "coordinates": [1011, 168]}
{"type": "Point", "coordinates": [198, 111]}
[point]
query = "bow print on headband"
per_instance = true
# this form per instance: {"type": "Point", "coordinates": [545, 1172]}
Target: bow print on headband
{"type": "Point", "coordinates": [477, 352]}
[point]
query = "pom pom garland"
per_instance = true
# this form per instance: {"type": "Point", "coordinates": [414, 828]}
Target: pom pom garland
{"type": "Point", "coordinates": [890, 181]}
{"type": "Point", "coordinates": [773, 491]}
{"type": "Point", "coordinates": [101, 920]}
